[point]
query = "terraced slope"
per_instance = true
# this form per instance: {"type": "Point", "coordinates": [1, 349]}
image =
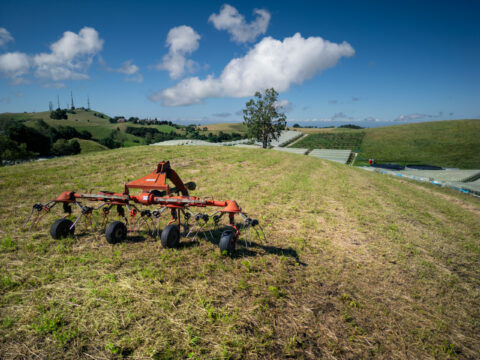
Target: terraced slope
{"type": "Point", "coordinates": [342, 139]}
{"type": "Point", "coordinates": [356, 265]}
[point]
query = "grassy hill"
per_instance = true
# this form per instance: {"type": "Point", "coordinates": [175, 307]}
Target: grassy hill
{"type": "Point", "coordinates": [356, 265]}
{"type": "Point", "coordinates": [100, 127]}
{"type": "Point", "coordinates": [86, 120]}
{"type": "Point", "coordinates": [452, 143]}
{"type": "Point", "coordinates": [444, 143]}
{"type": "Point", "coordinates": [88, 146]}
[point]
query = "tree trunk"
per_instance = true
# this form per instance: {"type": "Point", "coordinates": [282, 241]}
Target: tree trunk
{"type": "Point", "coordinates": [265, 142]}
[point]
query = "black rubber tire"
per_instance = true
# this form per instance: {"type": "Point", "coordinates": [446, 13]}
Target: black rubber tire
{"type": "Point", "coordinates": [227, 242]}
{"type": "Point", "coordinates": [170, 236]}
{"type": "Point", "coordinates": [61, 229]}
{"type": "Point", "coordinates": [116, 232]}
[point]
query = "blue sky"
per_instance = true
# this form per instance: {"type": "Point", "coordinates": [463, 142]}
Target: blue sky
{"type": "Point", "coordinates": [367, 62]}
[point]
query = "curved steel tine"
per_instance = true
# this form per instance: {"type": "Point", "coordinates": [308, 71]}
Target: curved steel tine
{"type": "Point", "coordinates": [34, 222]}
{"type": "Point", "coordinates": [147, 224]}
{"type": "Point", "coordinates": [200, 227]}
{"type": "Point", "coordinates": [156, 228]}
{"type": "Point", "coordinates": [39, 208]}
{"type": "Point", "coordinates": [257, 233]}
{"type": "Point", "coordinates": [209, 231]}
{"type": "Point", "coordinates": [204, 233]}
{"type": "Point", "coordinates": [75, 222]}
{"type": "Point", "coordinates": [263, 233]}
{"type": "Point", "coordinates": [28, 219]}
{"type": "Point", "coordinates": [92, 219]}
{"type": "Point", "coordinates": [190, 231]}
{"type": "Point", "coordinates": [193, 226]}
{"type": "Point", "coordinates": [242, 229]}
{"type": "Point", "coordinates": [260, 234]}
{"type": "Point", "coordinates": [141, 222]}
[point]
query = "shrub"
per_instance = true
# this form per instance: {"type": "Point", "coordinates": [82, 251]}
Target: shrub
{"type": "Point", "coordinates": [58, 114]}
{"type": "Point", "coordinates": [35, 141]}
{"type": "Point", "coordinates": [64, 147]}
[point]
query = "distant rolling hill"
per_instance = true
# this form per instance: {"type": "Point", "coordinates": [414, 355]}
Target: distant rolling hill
{"type": "Point", "coordinates": [449, 143]}
{"type": "Point", "coordinates": [100, 127]}
{"type": "Point", "coordinates": [86, 120]}
{"type": "Point", "coordinates": [453, 143]}
{"type": "Point", "coordinates": [88, 146]}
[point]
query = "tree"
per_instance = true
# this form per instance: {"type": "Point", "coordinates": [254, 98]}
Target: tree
{"type": "Point", "coordinates": [263, 118]}
{"type": "Point", "coordinates": [64, 147]}
{"type": "Point", "coordinates": [36, 141]}
{"type": "Point", "coordinates": [11, 151]}
{"type": "Point", "coordinates": [58, 114]}
{"type": "Point", "coordinates": [351, 126]}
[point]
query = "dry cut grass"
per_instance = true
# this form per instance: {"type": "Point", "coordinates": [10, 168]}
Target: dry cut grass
{"type": "Point", "coordinates": [356, 265]}
{"type": "Point", "coordinates": [226, 128]}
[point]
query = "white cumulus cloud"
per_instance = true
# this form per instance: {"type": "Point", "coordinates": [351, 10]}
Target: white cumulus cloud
{"type": "Point", "coordinates": [414, 116]}
{"type": "Point", "coordinates": [128, 68]}
{"type": "Point", "coordinates": [232, 21]}
{"type": "Point", "coordinates": [54, 85]}
{"type": "Point", "coordinates": [13, 65]}
{"type": "Point", "coordinates": [5, 37]}
{"type": "Point", "coordinates": [131, 70]}
{"type": "Point", "coordinates": [283, 105]}
{"type": "Point", "coordinates": [70, 56]}
{"type": "Point", "coordinates": [371, 119]}
{"type": "Point", "coordinates": [181, 40]}
{"type": "Point", "coordinates": [138, 78]}
{"type": "Point", "coordinates": [271, 63]}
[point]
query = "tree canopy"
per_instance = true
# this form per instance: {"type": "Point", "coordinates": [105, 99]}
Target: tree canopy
{"type": "Point", "coordinates": [263, 117]}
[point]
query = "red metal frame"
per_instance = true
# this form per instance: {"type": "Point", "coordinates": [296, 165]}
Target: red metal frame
{"type": "Point", "coordinates": [155, 191]}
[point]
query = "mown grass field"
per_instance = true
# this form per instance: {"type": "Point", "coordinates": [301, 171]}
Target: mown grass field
{"type": "Point", "coordinates": [332, 140]}
{"type": "Point", "coordinates": [317, 130]}
{"type": "Point", "coordinates": [444, 143]}
{"type": "Point", "coordinates": [226, 128]}
{"type": "Point", "coordinates": [356, 265]}
{"type": "Point", "coordinates": [88, 146]}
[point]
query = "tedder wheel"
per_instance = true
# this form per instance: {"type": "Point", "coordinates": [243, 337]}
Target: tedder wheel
{"type": "Point", "coordinates": [170, 236]}
{"type": "Point", "coordinates": [116, 232]}
{"type": "Point", "coordinates": [227, 242]}
{"type": "Point", "coordinates": [61, 229]}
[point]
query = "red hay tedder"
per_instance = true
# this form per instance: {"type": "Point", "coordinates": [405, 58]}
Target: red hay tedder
{"type": "Point", "coordinates": [155, 192]}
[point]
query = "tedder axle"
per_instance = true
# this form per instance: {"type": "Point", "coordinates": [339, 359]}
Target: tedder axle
{"type": "Point", "coordinates": [155, 192]}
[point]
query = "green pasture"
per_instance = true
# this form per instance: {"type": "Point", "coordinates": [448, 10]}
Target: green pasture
{"type": "Point", "coordinates": [355, 265]}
